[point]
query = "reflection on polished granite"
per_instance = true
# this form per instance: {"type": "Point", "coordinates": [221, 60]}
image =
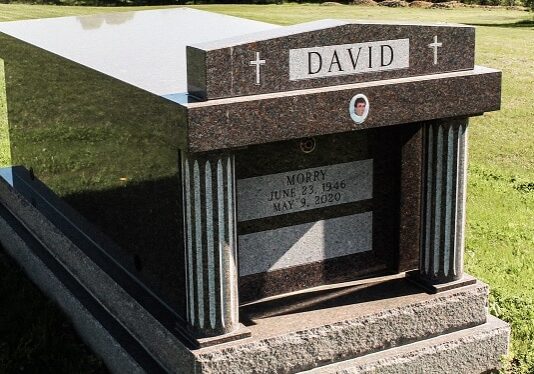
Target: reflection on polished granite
{"type": "Point", "coordinates": [145, 48]}
{"type": "Point", "coordinates": [93, 109]}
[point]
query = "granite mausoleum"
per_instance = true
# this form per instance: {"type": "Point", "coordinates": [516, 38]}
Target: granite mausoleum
{"type": "Point", "coordinates": [248, 197]}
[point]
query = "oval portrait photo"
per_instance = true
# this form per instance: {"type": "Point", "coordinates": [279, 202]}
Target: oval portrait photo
{"type": "Point", "coordinates": [359, 108]}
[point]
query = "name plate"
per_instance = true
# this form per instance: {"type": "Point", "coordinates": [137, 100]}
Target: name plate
{"type": "Point", "coordinates": [306, 243]}
{"type": "Point", "coordinates": [299, 190]}
{"type": "Point", "coordinates": [346, 59]}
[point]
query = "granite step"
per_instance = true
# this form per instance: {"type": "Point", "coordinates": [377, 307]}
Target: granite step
{"type": "Point", "coordinates": [469, 351]}
{"type": "Point", "coordinates": [343, 323]}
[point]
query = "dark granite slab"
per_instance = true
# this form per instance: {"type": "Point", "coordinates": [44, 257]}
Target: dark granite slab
{"type": "Point", "coordinates": [223, 68]}
{"type": "Point", "coordinates": [243, 121]}
{"type": "Point", "coordinates": [105, 148]}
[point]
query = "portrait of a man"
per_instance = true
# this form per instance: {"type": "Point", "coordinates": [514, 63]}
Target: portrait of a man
{"type": "Point", "coordinates": [359, 108]}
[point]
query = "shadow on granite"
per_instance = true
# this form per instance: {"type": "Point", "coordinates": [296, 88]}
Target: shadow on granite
{"type": "Point", "coordinates": [137, 225]}
{"type": "Point", "coordinates": [327, 298]}
{"type": "Point", "coordinates": [143, 219]}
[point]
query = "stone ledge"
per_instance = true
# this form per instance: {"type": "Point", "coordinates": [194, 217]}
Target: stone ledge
{"type": "Point", "coordinates": [289, 341]}
{"type": "Point", "coordinates": [465, 280]}
{"type": "Point", "coordinates": [469, 351]}
{"type": "Point", "coordinates": [236, 122]}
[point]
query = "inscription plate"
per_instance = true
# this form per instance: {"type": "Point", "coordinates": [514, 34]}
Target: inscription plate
{"type": "Point", "coordinates": [345, 59]}
{"type": "Point", "coordinates": [299, 190]}
{"type": "Point", "coordinates": [285, 247]}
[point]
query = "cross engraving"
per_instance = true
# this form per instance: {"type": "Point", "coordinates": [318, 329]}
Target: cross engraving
{"type": "Point", "coordinates": [435, 46]}
{"type": "Point", "coordinates": [257, 62]}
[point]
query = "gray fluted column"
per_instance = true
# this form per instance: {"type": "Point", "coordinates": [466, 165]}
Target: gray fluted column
{"type": "Point", "coordinates": [210, 242]}
{"type": "Point", "coordinates": [443, 214]}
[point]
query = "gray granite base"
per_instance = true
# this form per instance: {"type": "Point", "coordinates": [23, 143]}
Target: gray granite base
{"type": "Point", "coordinates": [289, 341]}
{"type": "Point", "coordinates": [469, 351]}
{"type": "Point", "coordinates": [414, 277]}
{"type": "Point", "coordinates": [116, 358]}
{"type": "Point", "coordinates": [67, 274]}
{"type": "Point", "coordinates": [289, 334]}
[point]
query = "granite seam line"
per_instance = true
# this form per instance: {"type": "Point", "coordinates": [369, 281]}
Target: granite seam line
{"type": "Point", "coordinates": [221, 239]}
{"type": "Point", "coordinates": [462, 165]}
{"type": "Point", "coordinates": [210, 248]}
{"type": "Point", "coordinates": [458, 141]}
{"type": "Point", "coordinates": [232, 230]}
{"type": "Point", "coordinates": [448, 200]}
{"type": "Point", "coordinates": [437, 205]}
{"type": "Point", "coordinates": [427, 202]}
{"type": "Point", "coordinates": [457, 193]}
{"type": "Point", "coordinates": [189, 241]}
{"type": "Point", "coordinates": [197, 213]}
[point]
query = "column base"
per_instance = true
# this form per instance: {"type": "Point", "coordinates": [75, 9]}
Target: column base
{"type": "Point", "coordinates": [241, 333]}
{"type": "Point", "coordinates": [414, 277]}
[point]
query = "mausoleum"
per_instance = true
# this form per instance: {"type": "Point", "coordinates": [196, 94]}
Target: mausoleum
{"type": "Point", "coordinates": [202, 193]}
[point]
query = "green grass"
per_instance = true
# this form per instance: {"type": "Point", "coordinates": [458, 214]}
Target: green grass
{"type": "Point", "coordinates": [5, 154]}
{"type": "Point", "coordinates": [500, 222]}
{"type": "Point", "coordinates": [288, 14]}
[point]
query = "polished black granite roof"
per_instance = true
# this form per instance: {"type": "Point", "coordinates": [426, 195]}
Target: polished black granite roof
{"type": "Point", "coordinates": [143, 48]}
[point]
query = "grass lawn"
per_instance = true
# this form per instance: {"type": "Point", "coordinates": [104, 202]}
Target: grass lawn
{"type": "Point", "coordinates": [500, 222]}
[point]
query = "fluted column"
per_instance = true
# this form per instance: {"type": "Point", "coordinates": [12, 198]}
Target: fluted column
{"type": "Point", "coordinates": [443, 213]}
{"type": "Point", "coordinates": [210, 242]}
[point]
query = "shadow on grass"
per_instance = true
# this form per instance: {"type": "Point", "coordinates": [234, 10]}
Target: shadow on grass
{"type": "Point", "coordinates": [523, 23]}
